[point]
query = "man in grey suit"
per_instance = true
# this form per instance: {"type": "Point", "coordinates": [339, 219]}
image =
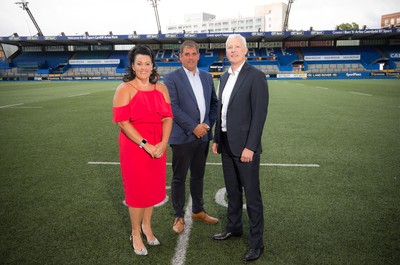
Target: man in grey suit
{"type": "Point", "coordinates": [242, 112]}
{"type": "Point", "coordinates": [194, 105]}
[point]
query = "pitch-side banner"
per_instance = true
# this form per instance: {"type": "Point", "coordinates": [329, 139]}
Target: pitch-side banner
{"type": "Point", "coordinates": [97, 61]}
{"type": "Point", "coordinates": [332, 57]}
{"type": "Point", "coordinates": [291, 75]}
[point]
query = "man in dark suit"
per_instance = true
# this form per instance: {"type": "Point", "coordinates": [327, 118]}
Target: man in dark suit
{"type": "Point", "coordinates": [242, 111]}
{"type": "Point", "coordinates": [194, 105]}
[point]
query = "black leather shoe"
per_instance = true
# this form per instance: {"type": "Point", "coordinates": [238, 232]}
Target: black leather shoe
{"type": "Point", "coordinates": [225, 235]}
{"type": "Point", "coordinates": [253, 254]}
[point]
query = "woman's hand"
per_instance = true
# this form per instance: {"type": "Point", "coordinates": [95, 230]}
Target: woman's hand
{"type": "Point", "coordinates": [150, 149]}
{"type": "Point", "coordinates": [160, 149]}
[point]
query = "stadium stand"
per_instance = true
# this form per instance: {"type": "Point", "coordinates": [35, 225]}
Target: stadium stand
{"type": "Point", "coordinates": [300, 58]}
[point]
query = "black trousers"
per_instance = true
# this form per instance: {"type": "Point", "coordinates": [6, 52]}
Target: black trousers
{"type": "Point", "coordinates": [241, 177]}
{"type": "Point", "coordinates": [191, 156]}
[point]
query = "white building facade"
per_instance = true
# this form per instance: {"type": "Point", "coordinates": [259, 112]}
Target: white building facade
{"type": "Point", "coordinates": [266, 18]}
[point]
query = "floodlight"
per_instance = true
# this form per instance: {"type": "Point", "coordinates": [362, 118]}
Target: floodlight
{"type": "Point", "coordinates": [24, 5]}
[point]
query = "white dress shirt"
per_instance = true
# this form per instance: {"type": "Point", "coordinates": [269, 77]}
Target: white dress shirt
{"type": "Point", "coordinates": [197, 87]}
{"type": "Point", "coordinates": [226, 94]}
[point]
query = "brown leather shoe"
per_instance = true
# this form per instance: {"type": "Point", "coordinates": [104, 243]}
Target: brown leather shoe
{"type": "Point", "coordinates": [204, 217]}
{"type": "Point", "coordinates": [179, 225]}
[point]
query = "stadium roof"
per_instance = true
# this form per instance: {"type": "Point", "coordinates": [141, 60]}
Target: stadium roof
{"type": "Point", "coordinates": [367, 34]}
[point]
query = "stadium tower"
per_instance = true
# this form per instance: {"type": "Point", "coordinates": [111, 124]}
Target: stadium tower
{"type": "Point", "coordinates": [24, 5]}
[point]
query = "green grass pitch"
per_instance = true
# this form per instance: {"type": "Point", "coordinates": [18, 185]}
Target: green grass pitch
{"type": "Point", "coordinates": [58, 208]}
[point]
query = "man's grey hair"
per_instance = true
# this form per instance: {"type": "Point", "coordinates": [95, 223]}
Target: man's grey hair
{"type": "Point", "coordinates": [233, 36]}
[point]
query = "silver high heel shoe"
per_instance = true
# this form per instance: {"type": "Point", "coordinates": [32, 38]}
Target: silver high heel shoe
{"type": "Point", "coordinates": [140, 252]}
{"type": "Point", "coordinates": [153, 242]}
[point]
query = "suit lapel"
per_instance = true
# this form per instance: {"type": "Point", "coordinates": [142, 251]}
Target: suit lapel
{"type": "Point", "coordinates": [224, 79]}
{"type": "Point", "coordinates": [186, 84]}
{"type": "Point", "coordinates": [206, 94]}
{"type": "Point", "coordinates": [239, 81]}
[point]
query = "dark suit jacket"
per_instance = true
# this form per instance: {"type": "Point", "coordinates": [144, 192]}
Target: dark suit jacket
{"type": "Point", "coordinates": [185, 108]}
{"type": "Point", "coordinates": [247, 110]}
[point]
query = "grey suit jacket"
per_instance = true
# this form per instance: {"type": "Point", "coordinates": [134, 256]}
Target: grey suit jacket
{"type": "Point", "coordinates": [247, 110]}
{"type": "Point", "coordinates": [185, 107]}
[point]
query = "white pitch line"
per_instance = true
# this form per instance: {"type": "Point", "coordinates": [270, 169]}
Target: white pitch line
{"type": "Point", "coordinates": [362, 94]}
{"type": "Point", "coordinates": [103, 163]}
{"type": "Point", "coordinates": [219, 164]}
{"type": "Point", "coordinates": [220, 198]}
{"type": "Point", "coordinates": [183, 239]}
{"type": "Point", "coordinates": [26, 107]}
{"type": "Point", "coordinates": [290, 165]}
{"type": "Point", "coordinates": [322, 87]}
{"type": "Point", "coordinates": [9, 106]}
{"type": "Point", "coordinates": [78, 95]}
{"type": "Point", "coordinates": [275, 165]}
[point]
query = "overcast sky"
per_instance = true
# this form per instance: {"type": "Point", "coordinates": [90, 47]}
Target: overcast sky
{"type": "Point", "coordinates": [98, 17]}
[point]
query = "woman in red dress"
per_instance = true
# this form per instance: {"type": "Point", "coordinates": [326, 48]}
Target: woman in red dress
{"type": "Point", "coordinates": [142, 110]}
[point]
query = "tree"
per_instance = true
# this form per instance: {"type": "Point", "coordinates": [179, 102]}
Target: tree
{"type": "Point", "coordinates": [347, 26]}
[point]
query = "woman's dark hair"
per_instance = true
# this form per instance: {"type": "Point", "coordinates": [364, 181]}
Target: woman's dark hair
{"type": "Point", "coordinates": [143, 50]}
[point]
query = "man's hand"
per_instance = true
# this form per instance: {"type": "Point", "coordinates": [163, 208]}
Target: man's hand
{"type": "Point", "coordinates": [201, 130]}
{"type": "Point", "coordinates": [247, 156]}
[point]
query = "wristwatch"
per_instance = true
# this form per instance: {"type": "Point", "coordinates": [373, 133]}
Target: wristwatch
{"type": "Point", "coordinates": [142, 143]}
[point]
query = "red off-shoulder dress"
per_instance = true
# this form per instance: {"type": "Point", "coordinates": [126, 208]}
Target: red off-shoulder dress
{"type": "Point", "coordinates": [143, 177]}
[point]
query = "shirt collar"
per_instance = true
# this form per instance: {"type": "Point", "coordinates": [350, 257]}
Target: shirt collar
{"type": "Point", "coordinates": [189, 72]}
{"type": "Point", "coordinates": [230, 71]}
